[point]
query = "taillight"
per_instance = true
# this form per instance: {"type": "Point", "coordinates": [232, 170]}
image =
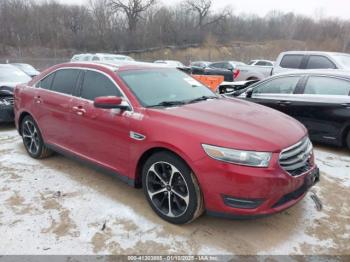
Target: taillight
{"type": "Point", "coordinates": [236, 73]}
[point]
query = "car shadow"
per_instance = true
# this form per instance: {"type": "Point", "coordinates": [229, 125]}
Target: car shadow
{"type": "Point", "coordinates": [236, 236]}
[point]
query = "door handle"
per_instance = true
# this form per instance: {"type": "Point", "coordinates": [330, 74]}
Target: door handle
{"type": "Point", "coordinates": [347, 105]}
{"type": "Point", "coordinates": [37, 100]}
{"type": "Point", "coordinates": [79, 110]}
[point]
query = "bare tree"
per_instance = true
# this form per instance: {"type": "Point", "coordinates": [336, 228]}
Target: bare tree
{"type": "Point", "coordinates": [132, 9]}
{"type": "Point", "coordinates": [202, 8]}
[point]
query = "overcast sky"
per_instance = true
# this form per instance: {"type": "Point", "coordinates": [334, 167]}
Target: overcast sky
{"type": "Point", "coordinates": [334, 8]}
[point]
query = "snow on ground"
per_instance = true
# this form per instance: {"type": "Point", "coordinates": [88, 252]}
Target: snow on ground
{"type": "Point", "coordinates": [57, 206]}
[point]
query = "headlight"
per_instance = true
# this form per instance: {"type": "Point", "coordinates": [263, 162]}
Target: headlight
{"type": "Point", "coordinates": [246, 158]}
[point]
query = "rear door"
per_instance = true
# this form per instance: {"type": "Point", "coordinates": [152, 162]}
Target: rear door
{"type": "Point", "coordinates": [324, 107]}
{"type": "Point", "coordinates": [277, 93]}
{"type": "Point", "coordinates": [319, 62]}
{"type": "Point", "coordinates": [100, 135]}
{"type": "Point", "coordinates": [53, 104]}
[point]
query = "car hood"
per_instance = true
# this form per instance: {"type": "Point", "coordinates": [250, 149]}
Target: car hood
{"type": "Point", "coordinates": [9, 84]}
{"type": "Point", "coordinates": [233, 123]}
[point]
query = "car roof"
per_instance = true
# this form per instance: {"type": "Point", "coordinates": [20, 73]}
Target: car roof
{"type": "Point", "coordinates": [313, 53]}
{"type": "Point", "coordinates": [325, 72]}
{"type": "Point", "coordinates": [113, 66]}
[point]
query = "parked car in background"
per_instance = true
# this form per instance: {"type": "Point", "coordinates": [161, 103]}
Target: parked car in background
{"type": "Point", "coordinates": [174, 64]}
{"type": "Point", "coordinates": [252, 72]}
{"type": "Point", "coordinates": [10, 76]}
{"type": "Point", "coordinates": [26, 68]}
{"type": "Point", "coordinates": [206, 153]}
{"type": "Point", "coordinates": [292, 60]}
{"type": "Point", "coordinates": [318, 99]}
{"type": "Point", "coordinates": [267, 63]}
{"type": "Point", "coordinates": [203, 68]}
{"type": "Point", "coordinates": [171, 63]}
{"type": "Point", "coordinates": [100, 57]}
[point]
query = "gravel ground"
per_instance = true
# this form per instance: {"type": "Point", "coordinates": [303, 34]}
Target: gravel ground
{"type": "Point", "coordinates": [58, 206]}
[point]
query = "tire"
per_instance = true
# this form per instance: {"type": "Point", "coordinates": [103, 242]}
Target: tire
{"type": "Point", "coordinates": [186, 201]}
{"type": "Point", "coordinates": [32, 139]}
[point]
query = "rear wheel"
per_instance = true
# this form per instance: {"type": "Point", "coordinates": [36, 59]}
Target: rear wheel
{"type": "Point", "coordinates": [171, 188]}
{"type": "Point", "coordinates": [32, 139]}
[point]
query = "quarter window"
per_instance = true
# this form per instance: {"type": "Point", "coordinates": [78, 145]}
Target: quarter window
{"type": "Point", "coordinates": [65, 81]}
{"type": "Point", "coordinates": [292, 61]}
{"type": "Point", "coordinates": [319, 85]}
{"type": "Point", "coordinates": [96, 84]}
{"type": "Point", "coordinates": [283, 85]}
{"type": "Point", "coordinates": [320, 62]}
{"type": "Point", "coordinates": [46, 82]}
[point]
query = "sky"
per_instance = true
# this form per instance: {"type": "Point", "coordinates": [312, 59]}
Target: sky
{"type": "Point", "coordinates": [315, 8]}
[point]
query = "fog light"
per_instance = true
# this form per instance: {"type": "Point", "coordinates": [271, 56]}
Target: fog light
{"type": "Point", "coordinates": [242, 203]}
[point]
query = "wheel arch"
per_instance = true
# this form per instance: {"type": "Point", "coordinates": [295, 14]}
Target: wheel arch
{"type": "Point", "coordinates": [20, 119]}
{"type": "Point", "coordinates": [345, 135]}
{"type": "Point", "coordinates": [148, 153]}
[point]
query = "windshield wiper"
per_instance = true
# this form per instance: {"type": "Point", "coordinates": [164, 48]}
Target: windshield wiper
{"type": "Point", "coordinates": [202, 98]}
{"type": "Point", "coordinates": [168, 104]}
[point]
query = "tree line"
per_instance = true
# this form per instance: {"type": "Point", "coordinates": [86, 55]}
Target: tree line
{"type": "Point", "coordinates": [126, 25]}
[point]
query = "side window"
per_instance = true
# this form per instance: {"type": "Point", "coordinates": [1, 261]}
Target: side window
{"type": "Point", "coordinates": [320, 85]}
{"type": "Point", "coordinates": [96, 84]}
{"type": "Point", "coordinates": [65, 81]}
{"type": "Point", "coordinates": [46, 82]}
{"type": "Point", "coordinates": [283, 85]}
{"type": "Point", "coordinates": [261, 63]}
{"type": "Point", "coordinates": [292, 61]}
{"type": "Point", "coordinates": [95, 58]}
{"type": "Point", "coordinates": [218, 65]}
{"type": "Point", "coordinates": [320, 62]}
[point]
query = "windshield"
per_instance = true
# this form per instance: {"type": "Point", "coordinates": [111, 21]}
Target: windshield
{"type": "Point", "coordinates": [155, 86]}
{"type": "Point", "coordinates": [344, 60]}
{"type": "Point", "coordinates": [13, 75]}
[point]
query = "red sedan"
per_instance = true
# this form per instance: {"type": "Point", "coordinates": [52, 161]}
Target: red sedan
{"type": "Point", "coordinates": [157, 128]}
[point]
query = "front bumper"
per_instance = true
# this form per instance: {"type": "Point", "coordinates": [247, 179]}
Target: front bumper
{"type": "Point", "coordinates": [264, 190]}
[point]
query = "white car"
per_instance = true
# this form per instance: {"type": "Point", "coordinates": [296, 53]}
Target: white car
{"type": "Point", "coordinates": [302, 60]}
{"type": "Point", "coordinates": [171, 63]}
{"type": "Point", "coordinates": [101, 57]}
{"type": "Point", "coordinates": [259, 62]}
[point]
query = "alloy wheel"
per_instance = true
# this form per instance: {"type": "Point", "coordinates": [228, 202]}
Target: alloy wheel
{"type": "Point", "coordinates": [31, 137]}
{"type": "Point", "coordinates": [167, 189]}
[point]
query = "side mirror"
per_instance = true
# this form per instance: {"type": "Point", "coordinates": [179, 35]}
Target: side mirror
{"type": "Point", "coordinates": [249, 92]}
{"type": "Point", "coordinates": [110, 102]}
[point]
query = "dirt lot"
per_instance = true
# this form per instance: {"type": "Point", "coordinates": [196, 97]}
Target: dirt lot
{"type": "Point", "coordinates": [57, 206]}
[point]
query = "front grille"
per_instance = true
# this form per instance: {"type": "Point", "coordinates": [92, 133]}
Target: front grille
{"type": "Point", "coordinates": [6, 101]}
{"type": "Point", "coordinates": [296, 159]}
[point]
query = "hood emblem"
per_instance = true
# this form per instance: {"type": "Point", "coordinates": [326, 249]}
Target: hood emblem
{"type": "Point", "coordinates": [137, 136]}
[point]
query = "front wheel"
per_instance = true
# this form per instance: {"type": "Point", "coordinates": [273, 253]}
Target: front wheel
{"type": "Point", "coordinates": [171, 188]}
{"type": "Point", "coordinates": [32, 139]}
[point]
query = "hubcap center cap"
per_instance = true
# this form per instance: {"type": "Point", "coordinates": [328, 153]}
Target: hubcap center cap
{"type": "Point", "coordinates": [168, 188]}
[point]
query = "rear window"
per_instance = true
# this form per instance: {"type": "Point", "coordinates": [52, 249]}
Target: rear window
{"type": "Point", "coordinates": [65, 81]}
{"type": "Point", "coordinates": [292, 61]}
{"type": "Point", "coordinates": [46, 82]}
{"type": "Point", "coordinates": [320, 62]}
{"type": "Point", "coordinates": [320, 85]}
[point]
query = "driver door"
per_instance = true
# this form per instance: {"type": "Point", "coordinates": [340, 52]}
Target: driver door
{"type": "Point", "coordinates": [100, 135]}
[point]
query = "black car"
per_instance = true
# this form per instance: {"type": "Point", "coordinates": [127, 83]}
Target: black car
{"type": "Point", "coordinates": [10, 76]}
{"type": "Point", "coordinates": [318, 99]}
{"type": "Point", "coordinates": [204, 68]}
